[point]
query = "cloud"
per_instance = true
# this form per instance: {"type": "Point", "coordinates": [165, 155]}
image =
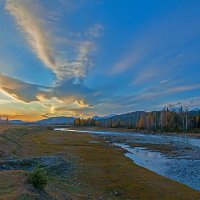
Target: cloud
{"type": "Point", "coordinates": [129, 59]}
{"type": "Point", "coordinates": [96, 30]}
{"type": "Point", "coordinates": [190, 103]}
{"type": "Point", "coordinates": [164, 90]}
{"type": "Point", "coordinates": [183, 88]}
{"type": "Point", "coordinates": [35, 32]}
{"type": "Point", "coordinates": [19, 90]}
{"type": "Point", "coordinates": [166, 80]}
{"type": "Point", "coordinates": [28, 92]}
{"type": "Point", "coordinates": [69, 98]}
{"type": "Point", "coordinates": [68, 95]}
{"type": "Point", "coordinates": [42, 40]}
{"type": "Point", "coordinates": [150, 98]}
{"type": "Point", "coordinates": [157, 40]}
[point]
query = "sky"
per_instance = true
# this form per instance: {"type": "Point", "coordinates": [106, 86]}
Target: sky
{"type": "Point", "coordinates": [96, 57]}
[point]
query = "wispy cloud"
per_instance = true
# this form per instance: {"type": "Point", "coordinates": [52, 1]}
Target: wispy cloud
{"type": "Point", "coordinates": [190, 103]}
{"type": "Point", "coordinates": [150, 98]}
{"type": "Point", "coordinates": [156, 47]}
{"type": "Point", "coordinates": [183, 88]}
{"type": "Point", "coordinates": [29, 19]}
{"type": "Point", "coordinates": [35, 32]}
{"type": "Point", "coordinates": [166, 80]}
{"type": "Point", "coordinates": [96, 30]}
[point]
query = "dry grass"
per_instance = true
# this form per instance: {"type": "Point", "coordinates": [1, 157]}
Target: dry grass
{"type": "Point", "coordinates": [100, 170]}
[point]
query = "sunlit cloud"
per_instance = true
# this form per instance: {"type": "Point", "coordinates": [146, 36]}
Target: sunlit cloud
{"type": "Point", "coordinates": [67, 95]}
{"type": "Point", "coordinates": [19, 90]}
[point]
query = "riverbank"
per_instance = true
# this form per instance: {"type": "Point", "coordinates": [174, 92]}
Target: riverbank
{"type": "Point", "coordinates": [97, 170]}
{"type": "Point", "coordinates": [197, 135]}
{"type": "Point", "coordinates": [175, 157]}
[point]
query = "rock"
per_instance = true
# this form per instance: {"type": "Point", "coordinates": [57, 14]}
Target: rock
{"type": "Point", "coordinates": [118, 193]}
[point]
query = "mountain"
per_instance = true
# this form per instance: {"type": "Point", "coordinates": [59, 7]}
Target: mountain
{"type": "Point", "coordinates": [104, 117]}
{"type": "Point", "coordinates": [16, 122]}
{"type": "Point", "coordinates": [96, 117]}
{"type": "Point", "coordinates": [127, 116]}
{"type": "Point", "coordinates": [56, 120]}
{"type": "Point", "coordinates": [108, 116]}
{"type": "Point", "coordinates": [175, 109]}
{"type": "Point", "coordinates": [196, 109]}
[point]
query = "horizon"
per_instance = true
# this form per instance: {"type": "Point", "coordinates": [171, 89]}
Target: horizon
{"type": "Point", "coordinates": [93, 57]}
{"type": "Point", "coordinates": [172, 109]}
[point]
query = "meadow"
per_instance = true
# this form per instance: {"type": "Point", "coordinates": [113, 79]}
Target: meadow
{"type": "Point", "coordinates": [77, 166]}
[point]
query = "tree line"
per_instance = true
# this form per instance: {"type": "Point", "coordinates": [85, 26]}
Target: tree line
{"type": "Point", "coordinates": [165, 120]}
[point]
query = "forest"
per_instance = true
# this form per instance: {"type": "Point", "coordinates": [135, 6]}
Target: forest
{"type": "Point", "coordinates": [165, 120]}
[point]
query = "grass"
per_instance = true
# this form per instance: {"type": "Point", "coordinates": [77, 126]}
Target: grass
{"type": "Point", "coordinates": [100, 170]}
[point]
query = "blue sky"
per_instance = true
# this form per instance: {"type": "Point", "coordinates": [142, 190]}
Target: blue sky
{"type": "Point", "coordinates": [95, 57]}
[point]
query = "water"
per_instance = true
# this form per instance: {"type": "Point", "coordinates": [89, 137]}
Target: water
{"type": "Point", "coordinates": [184, 169]}
{"type": "Point", "coordinates": [146, 138]}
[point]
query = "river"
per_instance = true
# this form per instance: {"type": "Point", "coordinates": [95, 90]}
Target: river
{"type": "Point", "coordinates": [181, 163]}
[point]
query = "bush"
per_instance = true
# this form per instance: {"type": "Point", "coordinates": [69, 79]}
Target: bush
{"type": "Point", "coordinates": [38, 178]}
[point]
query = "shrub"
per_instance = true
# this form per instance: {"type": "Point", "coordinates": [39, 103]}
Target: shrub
{"type": "Point", "coordinates": [14, 151]}
{"type": "Point", "coordinates": [38, 178]}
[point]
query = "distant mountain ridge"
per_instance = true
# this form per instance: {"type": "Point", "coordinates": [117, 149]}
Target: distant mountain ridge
{"type": "Point", "coordinates": [104, 117]}
{"type": "Point", "coordinates": [56, 120]}
{"type": "Point", "coordinates": [16, 122]}
{"type": "Point", "coordinates": [48, 121]}
{"type": "Point", "coordinates": [133, 116]}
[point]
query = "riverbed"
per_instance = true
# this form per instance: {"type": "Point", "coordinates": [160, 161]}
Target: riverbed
{"type": "Point", "coordinates": [175, 157]}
